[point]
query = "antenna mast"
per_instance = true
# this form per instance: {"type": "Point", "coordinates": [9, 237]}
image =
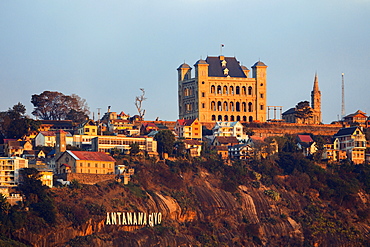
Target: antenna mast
{"type": "Point", "coordinates": [343, 106]}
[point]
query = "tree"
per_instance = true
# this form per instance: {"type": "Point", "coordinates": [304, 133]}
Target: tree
{"type": "Point", "coordinates": [138, 103]}
{"type": "Point", "coordinates": [165, 141]}
{"type": "Point", "coordinates": [37, 194]}
{"type": "Point", "coordinates": [14, 123]}
{"type": "Point", "coordinates": [57, 106]}
{"type": "Point", "coordinates": [134, 149]}
{"type": "Point", "coordinates": [180, 149]}
{"type": "Point", "coordinates": [304, 111]}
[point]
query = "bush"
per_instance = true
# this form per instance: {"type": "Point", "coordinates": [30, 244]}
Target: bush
{"type": "Point", "coordinates": [273, 194]}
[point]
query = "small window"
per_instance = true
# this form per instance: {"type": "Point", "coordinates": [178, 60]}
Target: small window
{"type": "Point", "coordinates": [203, 94]}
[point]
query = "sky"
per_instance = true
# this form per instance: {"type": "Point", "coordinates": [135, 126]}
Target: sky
{"type": "Point", "coordinates": [105, 51]}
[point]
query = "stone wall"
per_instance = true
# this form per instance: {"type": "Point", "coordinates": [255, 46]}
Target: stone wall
{"type": "Point", "coordinates": [280, 129]}
{"type": "Point", "coordinates": [85, 178]}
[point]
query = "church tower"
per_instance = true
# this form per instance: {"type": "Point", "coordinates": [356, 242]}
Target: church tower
{"type": "Point", "coordinates": [316, 101]}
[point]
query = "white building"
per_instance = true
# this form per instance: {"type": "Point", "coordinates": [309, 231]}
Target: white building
{"type": "Point", "coordinates": [229, 129]}
{"type": "Point", "coordinates": [48, 139]}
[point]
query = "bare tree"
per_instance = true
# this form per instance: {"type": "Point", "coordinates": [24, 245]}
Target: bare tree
{"type": "Point", "coordinates": [139, 102]}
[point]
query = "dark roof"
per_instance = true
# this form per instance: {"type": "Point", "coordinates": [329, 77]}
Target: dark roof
{"type": "Point", "coordinates": [192, 142]}
{"type": "Point", "coordinates": [259, 63]}
{"type": "Point", "coordinates": [201, 61]}
{"type": "Point", "coordinates": [290, 111]}
{"type": "Point", "coordinates": [215, 68]}
{"type": "Point", "coordinates": [346, 131]}
{"type": "Point", "coordinates": [227, 139]}
{"type": "Point", "coordinates": [184, 65]}
{"type": "Point", "coordinates": [244, 67]}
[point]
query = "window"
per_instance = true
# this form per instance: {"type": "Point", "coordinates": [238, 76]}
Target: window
{"type": "Point", "coordinates": [249, 90]}
{"type": "Point", "coordinates": [203, 94]}
{"type": "Point", "coordinates": [88, 164]}
{"type": "Point", "coordinates": [262, 107]}
{"type": "Point", "coordinates": [96, 165]}
{"type": "Point", "coordinates": [87, 130]}
{"type": "Point", "coordinates": [203, 105]}
{"type": "Point", "coordinates": [261, 95]}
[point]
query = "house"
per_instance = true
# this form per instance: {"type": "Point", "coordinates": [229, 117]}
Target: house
{"type": "Point", "coordinates": [189, 129]}
{"type": "Point", "coordinates": [225, 141]}
{"type": "Point", "coordinates": [229, 129]}
{"type": "Point", "coordinates": [352, 140]}
{"type": "Point", "coordinates": [122, 143]}
{"type": "Point", "coordinates": [221, 143]}
{"type": "Point", "coordinates": [306, 144]}
{"type": "Point", "coordinates": [85, 162]}
{"type": "Point", "coordinates": [48, 138]}
{"type": "Point", "coordinates": [33, 154]}
{"type": "Point", "coordinates": [87, 128]}
{"type": "Point", "coordinates": [193, 147]}
{"type": "Point", "coordinates": [9, 170]}
{"type": "Point", "coordinates": [358, 118]}
{"type": "Point", "coordinates": [121, 126]}
{"type": "Point", "coordinates": [16, 148]}
{"type": "Point", "coordinates": [146, 128]}
{"type": "Point", "coordinates": [240, 151]}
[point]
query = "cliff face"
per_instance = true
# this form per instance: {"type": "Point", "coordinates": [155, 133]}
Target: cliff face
{"type": "Point", "coordinates": [198, 210]}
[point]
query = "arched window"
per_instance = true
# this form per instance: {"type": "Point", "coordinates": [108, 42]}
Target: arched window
{"type": "Point", "coordinates": [237, 118]}
{"type": "Point", "coordinates": [249, 90]}
{"type": "Point", "coordinates": [219, 106]}
{"type": "Point", "coordinates": [226, 118]}
{"type": "Point", "coordinates": [244, 107]}
{"type": "Point", "coordinates": [225, 90]}
{"type": "Point", "coordinates": [213, 106]}
{"type": "Point", "coordinates": [213, 118]}
{"type": "Point", "coordinates": [225, 106]}
{"type": "Point", "coordinates": [231, 90]}
{"type": "Point", "coordinates": [250, 109]}
{"type": "Point", "coordinates": [219, 89]}
{"type": "Point", "coordinates": [219, 118]}
{"type": "Point", "coordinates": [250, 119]}
{"type": "Point", "coordinates": [237, 106]}
{"type": "Point", "coordinates": [237, 90]}
{"type": "Point", "coordinates": [244, 90]}
{"type": "Point", "coordinates": [231, 106]}
{"type": "Point", "coordinates": [213, 89]}
{"type": "Point", "coordinates": [232, 119]}
{"type": "Point", "coordinates": [244, 118]}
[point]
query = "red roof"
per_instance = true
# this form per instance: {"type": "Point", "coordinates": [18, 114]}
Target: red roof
{"type": "Point", "coordinates": [305, 138]}
{"type": "Point", "coordinates": [186, 122]}
{"type": "Point", "coordinates": [97, 156]}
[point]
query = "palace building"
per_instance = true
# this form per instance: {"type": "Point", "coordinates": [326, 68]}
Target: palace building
{"type": "Point", "coordinates": [222, 90]}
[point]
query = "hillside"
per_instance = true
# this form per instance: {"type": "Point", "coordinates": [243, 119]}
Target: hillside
{"type": "Point", "coordinates": [283, 201]}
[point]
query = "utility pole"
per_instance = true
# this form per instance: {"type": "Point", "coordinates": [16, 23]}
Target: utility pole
{"type": "Point", "coordinates": [343, 106]}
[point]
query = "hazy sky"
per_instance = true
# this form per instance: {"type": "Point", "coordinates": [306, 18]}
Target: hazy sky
{"type": "Point", "coordinates": [104, 51]}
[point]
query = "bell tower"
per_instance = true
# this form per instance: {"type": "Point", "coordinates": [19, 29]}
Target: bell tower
{"type": "Point", "coordinates": [316, 100]}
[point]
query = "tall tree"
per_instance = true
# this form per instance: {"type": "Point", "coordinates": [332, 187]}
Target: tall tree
{"type": "Point", "coordinates": [165, 141]}
{"type": "Point", "coordinates": [304, 111]}
{"type": "Point", "coordinates": [56, 106]}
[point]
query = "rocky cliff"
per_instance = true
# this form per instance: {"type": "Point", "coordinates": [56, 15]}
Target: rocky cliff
{"type": "Point", "coordinates": [204, 204]}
